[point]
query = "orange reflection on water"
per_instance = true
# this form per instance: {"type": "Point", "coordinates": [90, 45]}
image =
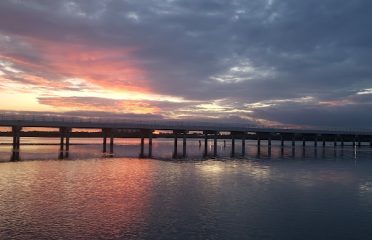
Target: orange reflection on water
{"type": "Point", "coordinates": [110, 199]}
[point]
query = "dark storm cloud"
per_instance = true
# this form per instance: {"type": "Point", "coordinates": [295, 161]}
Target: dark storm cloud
{"type": "Point", "coordinates": [346, 116]}
{"type": "Point", "coordinates": [245, 51]}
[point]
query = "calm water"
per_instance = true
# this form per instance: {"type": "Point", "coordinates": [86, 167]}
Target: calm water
{"type": "Point", "coordinates": [323, 194]}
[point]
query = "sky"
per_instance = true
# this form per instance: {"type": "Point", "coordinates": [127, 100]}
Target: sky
{"type": "Point", "coordinates": [267, 62]}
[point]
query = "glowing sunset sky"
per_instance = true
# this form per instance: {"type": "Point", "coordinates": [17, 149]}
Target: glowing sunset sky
{"type": "Point", "coordinates": [291, 62]}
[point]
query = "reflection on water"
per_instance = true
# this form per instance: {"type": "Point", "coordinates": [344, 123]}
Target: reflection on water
{"type": "Point", "coordinates": [52, 200]}
{"type": "Point", "coordinates": [48, 148]}
{"type": "Point", "coordinates": [365, 193]}
{"type": "Point", "coordinates": [311, 194]}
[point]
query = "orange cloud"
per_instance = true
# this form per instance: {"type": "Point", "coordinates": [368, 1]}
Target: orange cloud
{"type": "Point", "coordinates": [100, 104]}
{"type": "Point", "coordinates": [110, 68]}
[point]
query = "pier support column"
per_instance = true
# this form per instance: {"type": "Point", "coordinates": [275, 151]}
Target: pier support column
{"type": "Point", "coordinates": [67, 147]}
{"type": "Point", "coordinates": [293, 145]}
{"type": "Point", "coordinates": [105, 133]}
{"type": "Point", "coordinates": [303, 151]}
{"type": "Point", "coordinates": [61, 146]}
{"type": "Point", "coordinates": [215, 145]}
{"type": "Point", "coordinates": [175, 145]}
{"type": "Point", "coordinates": [324, 143]}
{"type": "Point", "coordinates": [18, 145]}
{"type": "Point", "coordinates": [232, 145]}
{"type": "Point", "coordinates": [111, 145]}
{"type": "Point", "coordinates": [142, 151]}
{"type": "Point", "coordinates": [258, 145]}
{"type": "Point", "coordinates": [335, 142]}
{"type": "Point", "coordinates": [316, 141]}
{"type": "Point", "coordinates": [16, 131]}
{"type": "Point", "coordinates": [243, 145]}
{"type": "Point", "coordinates": [281, 141]}
{"type": "Point", "coordinates": [269, 145]}
{"type": "Point", "coordinates": [303, 142]}
{"type": "Point", "coordinates": [150, 144]}
{"type": "Point", "coordinates": [63, 134]}
{"type": "Point", "coordinates": [370, 143]}
{"type": "Point", "coordinates": [205, 145]}
{"type": "Point", "coordinates": [281, 145]}
{"type": "Point", "coordinates": [184, 153]}
{"type": "Point", "coordinates": [176, 134]}
{"type": "Point", "coordinates": [104, 145]}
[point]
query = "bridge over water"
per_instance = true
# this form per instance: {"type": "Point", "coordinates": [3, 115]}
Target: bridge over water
{"type": "Point", "coordinates": [113, 128]}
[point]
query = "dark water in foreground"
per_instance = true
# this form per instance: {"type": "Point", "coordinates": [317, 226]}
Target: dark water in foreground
{"type": "Point", "coordinates": [310, 195]}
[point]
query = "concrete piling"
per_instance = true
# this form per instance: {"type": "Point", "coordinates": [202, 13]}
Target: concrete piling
{"type": "Point", "coordinates": [16, 134]}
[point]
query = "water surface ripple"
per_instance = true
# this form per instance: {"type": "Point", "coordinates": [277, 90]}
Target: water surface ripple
{"type": "Point", "coordinates": [304, 197]}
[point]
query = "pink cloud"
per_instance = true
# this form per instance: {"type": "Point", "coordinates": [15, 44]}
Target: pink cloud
{"type": "Point", "coordinates": [110, 68]}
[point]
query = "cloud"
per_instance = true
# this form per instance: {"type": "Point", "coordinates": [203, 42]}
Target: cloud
{"type": "Point", "coordinates": [99, 104]}
{"type": "Point", "coordinates": [346, 116]}
{"type": "Point", "coordinates": [114, 105]}
{"type": "Point", "coordinates": [108, 68]}
{"type": "Point", "coordinates": [222, 57]}
{"type": "Point", "coordinates": [219, 111]}
{"type": "Point", "coordinates": [87, 114]}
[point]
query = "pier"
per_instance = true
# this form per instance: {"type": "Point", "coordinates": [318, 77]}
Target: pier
{"type": "Point", "coordinates": [109, 129]}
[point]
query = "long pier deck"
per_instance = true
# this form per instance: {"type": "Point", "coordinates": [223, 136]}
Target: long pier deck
{"type": "Point", "coordinates": [109, 129]}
